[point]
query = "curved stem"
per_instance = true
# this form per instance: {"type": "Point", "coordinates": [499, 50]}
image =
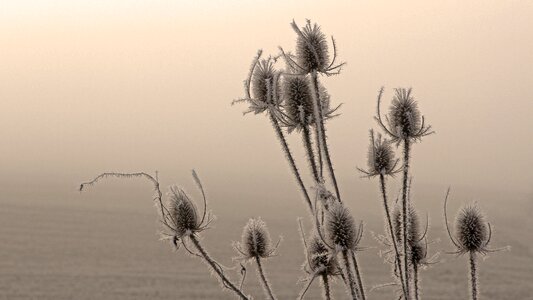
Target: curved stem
{"type": "Point", "coordinates": [325, 283]}
{"type": "Point", "coordinates": [290, 159]}
{"type": "Point", "coordinates": [405, 220]}
{"type": "Point", "coordinates": [358, 275]}
{"type": "Point", "coordinates": [473, 275]}
{"type": "Point", "coordinates": [391, 229]}
{"type": "Point", "coordinates": [351, 279]}
{"type": "Point", "coordinates": [264, 280]}
{"type": "Point", "coordinates": [319, 119]}
{"type": "Point", "coordinates": [216, 268]}
{"type": "Point", "coordinates": [306, 135]}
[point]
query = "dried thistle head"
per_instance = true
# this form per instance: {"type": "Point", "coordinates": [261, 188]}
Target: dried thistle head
{"type": "Point", "coordinates": [381, 160]}
{"type": "Point", "coordinates": [471, 229]}
{"type": "Point", "coordinates": [319, 259]}
{"type": "Point", "coordinates": [183, 213]}
{"type": "Point", "coordinates": [312, 48]}
{"type": "Point", "coordinates": [340, 228]}
{"type": "Point", "coordinates": [263, 81]}
{"type": "Point", "coordinates": [413, 225]}
{"type": "Point", "coordinates": [255, 241]}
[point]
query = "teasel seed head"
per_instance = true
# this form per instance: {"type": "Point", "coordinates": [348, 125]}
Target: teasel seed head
{"type": "Point", "coordinates": [263, 81]}
{"type": "Point", "coordinates": [255, 242]}
{"type": "Point", "coordinates": [320, 260]}
{"type": "Point", "coordinates": [419, 252]}
{"type": "Point", "coordinates": [183, 213]}
{"type": "Point", "coordinates": [471, 229]}
{"type": "Point", "coordinates": [405, 118]}
{"type": "Point", "coordinates": [312, 48]}
{"type": "Point", "coordinates": [381, 160]}
{"type": "Point", "coordinates": [413, 226]}
{"type": "Point", "coordinates": [340, 228]}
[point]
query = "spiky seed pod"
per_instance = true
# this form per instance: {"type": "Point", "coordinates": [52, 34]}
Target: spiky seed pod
{"type": "Point", "coordinates": [380, 158]}
{"type": "Point", "coordinates": [183, 213]}
{"type": "Point", "coordinates": [263, 81]}
{"type": "Point", "coordinates": [298, 100]}
{"type": "Point", "coordinates": [405, 118]}
{"type": "Point", "coordinates": [413, 227]}
{"type": "Point", "coordinates": [319, 259]}
{"type": "Point", "coordinates": [256, 240]}
{"type": "Point", "coordinates": [471, 230]}
{"type": "Point", "coordinates": [340, 228]}
{"type": "Point", "coordinates": [312, 48]}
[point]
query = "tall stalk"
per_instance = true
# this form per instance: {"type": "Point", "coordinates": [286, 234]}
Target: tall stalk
{"type": "Point", "coordinates": [415, 280]}
{"type": "Point", "coordinates": [358, 275]}
{"type": "Point", "coordinates": [216, 268]}
{"type": "Point", "coordinates": [405, 220]}
{"type": "Point", "coordinates": [391, 230]}
{"type": "Point", "coordinates": [306, 135]}
{"type": "Point", "coordinates": [473, 275]}
{"type": "Point", "coordinates": [325, 287]}
{"type": "Point", "coordinates": [290, 159]}
{"type": "Point", "coordinates": [350, 275]}
{"type": "Point", "coordinates": [264, 280]}
{"type": "Point", "coordinates": [319, 119]}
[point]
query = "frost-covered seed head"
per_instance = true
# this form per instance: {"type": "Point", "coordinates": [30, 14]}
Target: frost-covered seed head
{"type": "Point", "coordinates": [183, 213]}
{"type": "Point", "coordinates": [413, 226]}
{"type": "Point", "coordinates": [380, 157]}
{"type": "Point", "coordinates": [256, 240]}
{"type": "Point", "coordinates": [405, 118]}
{"type": "Point", "coordinates": [263, 80]}
{"type": "Point", "coordinates": [471, 229]}
{"type": "Point", "coordinates": [298, 99]}
{"type": "Point", "coordinates": [312, 48]}
{"type": "Point", "coordinates": [319, 258]}
{"type": "Point", "coordinates": [340, 227]}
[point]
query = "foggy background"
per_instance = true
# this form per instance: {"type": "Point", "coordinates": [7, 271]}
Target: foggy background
{"type": "Point", "coordinates": [94, 86]}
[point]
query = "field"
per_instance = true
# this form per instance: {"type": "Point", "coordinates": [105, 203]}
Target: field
{"type": "Point", "coordinates": [103, 244]}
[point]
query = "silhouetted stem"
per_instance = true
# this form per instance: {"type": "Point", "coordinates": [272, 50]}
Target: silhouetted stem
{"type": "Point", "coordinates": [391, 230]}
{"type": "Point", "coordinates": [306, 135]}
{"type": "Point", "coordinates": [216, 268]}
{"type": "Point", "coordinates": [325, 288]}
{"type": "Point", "coordinates": [350, 275]}
{"type": "Point", "coordinates": [358, 275]}
{"type": "Point", "coordinates": [264, 280]}
{"type": "Point", "coordinates": [319, 119]}
{"type": "Point", "coordinates": [290, 159]}
{"type": "Point", "coordinates": [473, 275]}
{"type": "Point", "coordinates": [405, 223]}
{"type": "Point", "coordinates": [415, 279]}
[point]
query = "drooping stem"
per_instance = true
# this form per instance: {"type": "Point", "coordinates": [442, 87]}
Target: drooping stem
{"type": "Point", "coordinates": [405, 220]}
{"type": "Point", "coordinates": [350, 275]}
{"type": "Point", "coordinates": [391, 230]}
{"type": "Point", "coordinates": [473, 275]}
{"type": "Point", "coordinates": [358, 275]}
{"type": "Point", "coordinates": [216, 268]}
{"type": "Point", "coordinates": [306, 135]}
{"type": "Point", "coordinates": [319, 119]}
{"type": "Point", "coordinates": [290, 159]}
{"type": "Point", "coordinates": [264, 280]}
{"type": "Point", "coordinates": [325, 284]}
{"type": "Point", "coordinates": [415, 279]}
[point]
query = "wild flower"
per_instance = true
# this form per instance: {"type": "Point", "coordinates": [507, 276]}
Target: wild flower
{"type": "Point", "coordinates": [256, 242]}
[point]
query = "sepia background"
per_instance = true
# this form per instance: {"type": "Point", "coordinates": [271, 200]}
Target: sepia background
{"type": "Point", "coordinates": [93, 86]}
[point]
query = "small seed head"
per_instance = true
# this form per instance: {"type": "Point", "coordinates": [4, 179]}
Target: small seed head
{"type": "Point", "coordinates": [298, 99]}
{"type": "Point", "coordinates": [256, 241]}
{"type": "Point", "coordinates": [471, 229]}
{"type": "Point", "coordinates": [340, 227]}
{"type": "Point", "coordinates": [380, 157]}
{"type": "Point", "coordinates": [183, 213]}
{"type": "Point", "coordinates": [405, 118]}
{"type": "Point", "coordinates": [263, 81]}
{"type": "Point", "coordinates": [312, 49]}
{"type": "Point", "coordinates": [319, 258]}
{"type": "Point", "coordinates": [413, 225]}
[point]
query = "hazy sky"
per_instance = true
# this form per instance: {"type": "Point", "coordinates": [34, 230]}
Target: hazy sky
{"type": "Point", "coordinates": [90, 86]}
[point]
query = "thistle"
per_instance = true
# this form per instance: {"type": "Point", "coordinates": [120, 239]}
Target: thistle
{"type": "Point", "coordinates": [256, 244]}
{"type": "Point", "coordinates": [472, 235]}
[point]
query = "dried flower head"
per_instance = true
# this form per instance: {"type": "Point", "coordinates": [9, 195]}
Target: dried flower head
{"type": "Point", "coordinates": [404, 120]}
{"type": "Point", "coordinates": [183, 213]}
{"type": "Point", "coordinates": [413, 225]}
{"type": "Point", "coordinates": [340, 228]}
{"type": "Point", "coordinates": [312, 54]}
{"type": "Point", "coordinates": [381, 160]}
{"type": "Point", "coordinates": [256, 242]}
{"type": "Point", "coordinates": [319, 259]}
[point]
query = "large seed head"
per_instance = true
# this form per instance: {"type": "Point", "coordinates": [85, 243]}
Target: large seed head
{"type": "Point", "coordinates": [405, 118]}
{"type": "Point", "coordinates": [183, 213]}
{"type": "Point", "coordinates": [298, 99]}
{"type": "Point", "coordinates": [312, 49]}
{"type": "Point", "coordinates": [263, 81]}
{"type": "Point", "coordinates": [340, 227]}
{"type": "Point", "coordinates": [471, 229]}
{"type": "Point", "coordinates": [256, 239]}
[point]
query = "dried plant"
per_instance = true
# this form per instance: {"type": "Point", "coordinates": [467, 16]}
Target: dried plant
{"type": "Point", "coordinates": [294, 100]}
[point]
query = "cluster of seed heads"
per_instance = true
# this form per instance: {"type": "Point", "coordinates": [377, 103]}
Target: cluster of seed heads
{"type": "Point", "coordinates": [255, 241]}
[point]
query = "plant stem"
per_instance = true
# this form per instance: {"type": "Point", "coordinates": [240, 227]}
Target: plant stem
{"type": "Point", "coordinates": [325, 283]}
{"type": "Point", "coordinates": [415, 279]}
{"type": "Point", "coordinates": [264, 280]}
{"type": "Point", "coordinates": [405, 223]}
{"type": "Point", "coordinates": [319, 119]}
{"type": "Point", "coordinates": [215, 266]}
{"type": "Point", "coordinates": [306, 135]}
{"type": "Point", "coordinates": [351, 280]}
{"type": "Point", "coordinates": [391, 229]}
{"type": "Point", "coordinates": [358, 275]}
{"type": "Point", "coordinates": [473, 275]}
{"type": "Point", "coordinates": [290, 159]}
